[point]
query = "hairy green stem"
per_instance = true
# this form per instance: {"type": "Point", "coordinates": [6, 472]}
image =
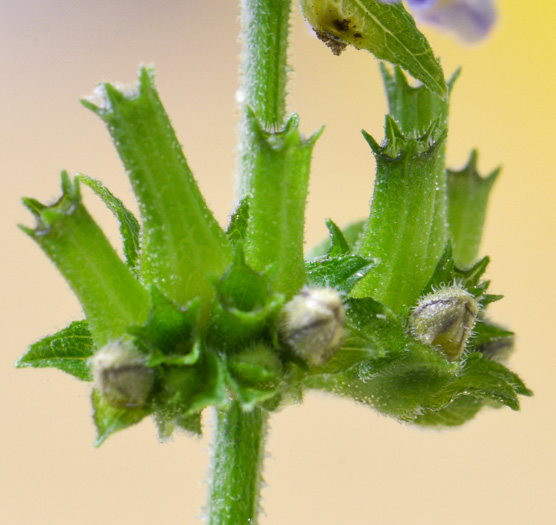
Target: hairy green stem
{"type": "Point", "coordinates": [239, 437]}
{"type": "Point", "coordinates": [237, 466]}
{"type": "Point", "coordinates": [264, 33]}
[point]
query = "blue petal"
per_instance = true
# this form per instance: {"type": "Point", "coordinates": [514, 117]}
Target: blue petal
{"type": "Point", "coordinates": [469, 20]}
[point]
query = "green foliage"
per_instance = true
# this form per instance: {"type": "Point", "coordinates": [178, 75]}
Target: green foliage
{"type": "Point", "coordinates": [109, 419]}
{"type": "Point", "coordinates": [68, 350]}
{"type": "Point", "coordinates": [351, 234]}
{"type": "Point", "coordinates": [339, 268]}
{"type": "Point", "coordinates": [388, 31]}
{"type": "Point", "coordinates": [129, 225]}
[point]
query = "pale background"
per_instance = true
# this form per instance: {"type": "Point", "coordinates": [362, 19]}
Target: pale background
{"type": "Point", "coordinates": [330, 462]}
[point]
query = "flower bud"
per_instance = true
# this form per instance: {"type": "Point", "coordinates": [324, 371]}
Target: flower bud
{"type": "Point", "coordinates": [312, 324]}
{"type": "Point", "coordinates": [444, 319]}
{"type": "Point", "coordinates": [121, 375]}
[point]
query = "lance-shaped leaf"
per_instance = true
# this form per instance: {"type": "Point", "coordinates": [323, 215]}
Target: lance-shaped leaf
{"type": "Point", "coordinates": [278, 194]}
{"type": "Point", "coordinates": [388, 31]}
{"type": "Point", "coordinates": [351, 234]}
{"type": "Point", "coordinates": [109, 419]}
{"type": "Point", "coordinates": [468, 194]}
{"type": "Point", "coordinates": [420, 380]}
{"type": "Point", "coordinates": [237, 229]}
{"type": "Point", "coordinates": [338, 268]}
{"type": "Point", "coordinates": [406, 229]}
{"type": "Point", "coordinates": [477, 374]}
{"type": "Point", "coordinates": [181, 242]}
{"type": "Point", "coordinates": [338, 243]}
{"type": "Point", "coordinates": [68, 350]}
{"type": "Point", "coordinates": [111, 297]}
{"type": "Point", "coordinates": [129, 226]}
{"type": "Point", "coordinates": [460, 411]}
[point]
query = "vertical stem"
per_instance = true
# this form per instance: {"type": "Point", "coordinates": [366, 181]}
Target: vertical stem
{"type": "Point", "coordinates": [239, 437]}
{"type": "Point", "coordinates": [237, 466]}
{"type": "Point", "coordinates": [264, 34]}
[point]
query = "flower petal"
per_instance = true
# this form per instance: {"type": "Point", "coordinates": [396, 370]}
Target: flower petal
{"type": "Point", "coordinates": [469, 20]}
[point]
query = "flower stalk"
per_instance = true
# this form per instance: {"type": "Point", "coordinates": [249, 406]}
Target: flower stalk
{"type": "Point", "coordinates": [237, 466]}
{"type": "Point", "coordinates": [237, 457]}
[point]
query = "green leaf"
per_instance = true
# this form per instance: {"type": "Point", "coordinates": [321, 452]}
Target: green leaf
{"type": "Point", "coordinates": [68, 350]}
{"type": "Point", "coordinates": [237, 230]}
{"type": "Point", "coordinates": [351, 234]}
{"type": "Point", "coordinates": [278, 194]}
{"type": "Point", "coordinates": [488, 380]}
{"type": "Point", "coordinates": [109, 419]}
{"type": "Point", "coordinates": [129, 226]}
{"type": "Point", "coordinates": [460, 411]}
{"type": "Point", "coordinates": [191, 423]}
{"type": "Point", "coordinates": [406, 229]}
{"type": "Point", "coordinates": [388, 31]}
{"type": "Point", "coordinates": [419, 380]}
{"type": "Point", "coordinates": [338, 243]}
{"type": "Point", "coordinates": [341, 272]}
{"type": "Point", "coordinates": [109, 293]}
{"type": "Point", "coordinates": [468, 194]}
{"type": "Point", "coordinates": [181, 242]}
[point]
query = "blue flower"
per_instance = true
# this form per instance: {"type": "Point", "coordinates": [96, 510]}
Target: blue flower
{"type": "Point", "coordinates": [469, 20]}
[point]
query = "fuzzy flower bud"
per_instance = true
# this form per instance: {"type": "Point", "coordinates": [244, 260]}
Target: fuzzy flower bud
{"type": "Point", "coordinates": [121, 375]}
{"type": "Point", "coordinates": [444, 319]}
{"type": "Point", "coordinates": [312, 324]}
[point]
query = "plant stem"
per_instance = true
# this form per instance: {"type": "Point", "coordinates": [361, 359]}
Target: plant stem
{"type": "Point", "coordinates": [238, 445]}
{"type": "Point", "coordinates": [264, 33]}
{"type": "Point", "coordinates": [237, 466]}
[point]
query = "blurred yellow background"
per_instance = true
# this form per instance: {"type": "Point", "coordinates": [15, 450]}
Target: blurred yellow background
{"type": "Point", "coordinates": [330, 462]}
